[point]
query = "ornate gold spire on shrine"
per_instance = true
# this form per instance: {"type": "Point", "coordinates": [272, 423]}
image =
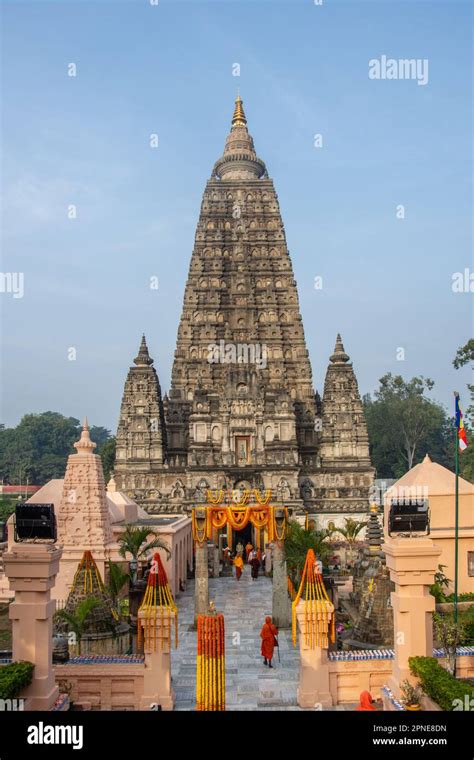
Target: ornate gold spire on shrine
{"type": "Point", "coordinates": [239, 160]}
{"type": "Point", "coordinates": [238, 119]}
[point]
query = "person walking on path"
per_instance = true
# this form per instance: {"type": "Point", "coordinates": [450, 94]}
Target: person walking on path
{"type": "Point", "coordinates": [254, 564]}
{"type": "Point", "coordinates": [268, 634]}
{"type": "Point", "coordinates": [248, 549]}
{"type": "Point", "coordinates": [239, 565]}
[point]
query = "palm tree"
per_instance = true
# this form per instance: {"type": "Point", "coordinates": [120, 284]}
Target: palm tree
{"type": "Point", "coordinates": [77, 620]}
{"type": "Point", "coordinates": [350, 532]}
{"type": "Point", "coordinates": [134, 541]}
{"type": "Point", "coordinates": [298, 541]}
{"type": "Point", "coordinates": [117, 580]}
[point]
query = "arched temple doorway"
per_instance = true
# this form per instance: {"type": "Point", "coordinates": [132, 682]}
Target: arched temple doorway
{"type": "Point", "coordinates": [226, 521]}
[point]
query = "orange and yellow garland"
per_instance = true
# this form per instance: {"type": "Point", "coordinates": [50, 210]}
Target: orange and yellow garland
{"type": "Point", "coordinates": [318, 610]}
{"type": "Point", "coordinates": [157, 601]}
{"type": "Point", "coordinates": [210, 675]}
{"type": "Point", "coordinates": [237, 518]}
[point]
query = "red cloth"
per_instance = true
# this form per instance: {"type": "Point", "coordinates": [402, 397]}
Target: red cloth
{"type": "Point", "coordinates": [238, 572]}
{"type": "Point", "coordinates": [267, 634]}
{"type": "Point", "coordinates": [365, 702]}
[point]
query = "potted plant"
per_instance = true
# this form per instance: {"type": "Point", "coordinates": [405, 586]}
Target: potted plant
{"type": "Point", "coordinates": [411, 696]}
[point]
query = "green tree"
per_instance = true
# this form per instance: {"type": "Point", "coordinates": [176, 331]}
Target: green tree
{"type": "Point", "coordinates": [403, 424]}
{"type": "Point", "coordinates": [107, 454]}
{"type": "Point", "coordinates": [134, 541]}
{"type": "Point", "coordinates": [117, 580]}
{"type": "Point", "coordinates": [77, 621]}
{"type": "Point", "coordinates": [449, 634]}
{"type": "Point", "coordinates": [36, 450]}
{"type": "Point", "coordinates": [297, 542]}
{"type": "Point", "coordinates": [350, 532]}
{"type": "Point", "coordinates": [464, 354]}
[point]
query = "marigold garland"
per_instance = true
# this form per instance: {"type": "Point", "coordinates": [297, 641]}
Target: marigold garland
{"type": "Point", "coordinates": [318, 609]}
{"type": "Point", "coordinates": [236, 518]}
{"type": "Point", "coordinates": [157, 602]}
{"type": "Point", "coordinates": [210, 663]}
{"type": "Point", "coordinates": [216, 497]}
{"type": "Point", "coordinates": [291, 588]}
{"type": "Point", "coordinates": [265, 499]}
{"type": "Point", "coordinates": [200, 534]}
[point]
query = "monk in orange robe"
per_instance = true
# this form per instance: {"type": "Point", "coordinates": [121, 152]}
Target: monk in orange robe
{"type": "Point", "coordinates": [248, 549]}
{"type": "Point", "coordinates": [239, 565]}
{"type": "Point", "coordinates": [268, 635]}
{"type": "Point", "coordinates": [365, 702]}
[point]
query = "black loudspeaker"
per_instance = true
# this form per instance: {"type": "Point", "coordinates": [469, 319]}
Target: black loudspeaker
{"type": "Point", "coordinates": [35, 521]}
{"type": "Point", "coordinates": [409, 516]}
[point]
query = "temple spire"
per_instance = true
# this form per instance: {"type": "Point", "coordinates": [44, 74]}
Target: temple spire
{"type": "Point", "coordinates": [339, 356]}
{"type": "Point", "coordinates": [143, 359]}
{"type": "Point", "coordinates": [239, 160]}
{"type": "Point", "coordinates": [238, 119]}
{"type": "Point", "coordinates": [84, 444]}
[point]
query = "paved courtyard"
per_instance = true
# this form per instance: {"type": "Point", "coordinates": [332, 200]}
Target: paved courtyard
{"type": "Point", "coordinates": [249, 684]}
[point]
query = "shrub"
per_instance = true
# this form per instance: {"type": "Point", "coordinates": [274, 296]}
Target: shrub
{"type": "Point", "coordinates": [466, 596]}
{"type": "Point", "coordinates": [437, 683]}
{"type": "Point", "coordinates": [14, 678]}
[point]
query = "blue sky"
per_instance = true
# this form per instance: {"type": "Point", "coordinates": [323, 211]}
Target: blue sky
{"type": "Point", "coordinates": [167, 69]}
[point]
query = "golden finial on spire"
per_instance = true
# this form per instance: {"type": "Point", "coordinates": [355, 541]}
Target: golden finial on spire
{"type": "Point", "coordinates": [238, 119]}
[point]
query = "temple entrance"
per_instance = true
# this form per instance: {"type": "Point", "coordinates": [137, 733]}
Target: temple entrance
{"type": "Point", "coordinates": [246, 516]}
{"type": "Point", "coordinates": [242, 536]}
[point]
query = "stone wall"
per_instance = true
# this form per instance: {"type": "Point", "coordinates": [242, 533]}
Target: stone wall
{"type": "Point", "coordinates": [103, 685]}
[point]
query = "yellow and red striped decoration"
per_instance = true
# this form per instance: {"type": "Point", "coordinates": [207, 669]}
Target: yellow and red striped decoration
{"type": "Point", "coordinates": [157, 602]}
{"type": "Point", "coordinates": [319, 610]}
{"type": "Point", "coordinates": [210, 675]}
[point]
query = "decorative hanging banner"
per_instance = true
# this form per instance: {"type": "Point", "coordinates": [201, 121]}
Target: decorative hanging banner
{"type": "Point", "coordinates": [318, 609]}
{"type": "Point", "coordinates": [158, 607]}
{"type": "Point", "coordinates": [237, 518]}
{"type": "Point", "coordinates": [210, 663]}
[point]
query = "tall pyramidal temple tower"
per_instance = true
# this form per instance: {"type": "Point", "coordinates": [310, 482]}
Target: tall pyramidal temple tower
{"type": "Point", "coordinates": [242, 411]}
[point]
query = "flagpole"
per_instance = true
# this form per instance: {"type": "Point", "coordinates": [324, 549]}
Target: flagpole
{"type": "Point", "coordinates": [456, 520]}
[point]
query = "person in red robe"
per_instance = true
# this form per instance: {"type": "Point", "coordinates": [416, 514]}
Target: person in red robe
{"type": "Point", "coordinates": [268, 634]}
{"type": "Point", "coordinates": [365, 702]}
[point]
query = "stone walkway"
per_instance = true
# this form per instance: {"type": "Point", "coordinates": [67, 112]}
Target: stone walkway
{"type": "Point", "coordinates": [249, 684]}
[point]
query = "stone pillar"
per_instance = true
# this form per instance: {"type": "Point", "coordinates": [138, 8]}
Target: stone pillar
{"type": "Point", "coordinates": [201, 582]}
{"type": "Point", "coordinates": [31, 570]}
{"type": "Point", "coordinates": [217, 564]}
{"type": "Point", "coordinates": [268, 558]}
{"type": "Point", "coordinates": [412, 563]}
{"type": "Point", "coordinates": [313, 689]}
{"type": "Point", "coordinates": [157, 649]}
{"type": "Point", "coordinates": [281, 603]}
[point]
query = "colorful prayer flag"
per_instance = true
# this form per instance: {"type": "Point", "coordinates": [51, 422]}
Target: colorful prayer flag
{"type": "Point", "coordinates": [462, 438]}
